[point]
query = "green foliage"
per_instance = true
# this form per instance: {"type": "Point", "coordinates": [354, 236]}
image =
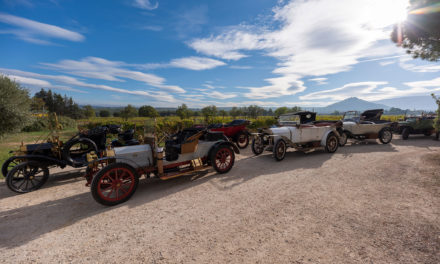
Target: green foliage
{"type": "Point", "coordinates": [89, 111]}
{"type": "Point", "coordinates": [14, 106]}
{"type": "Point", "coordinates": [128, 112]}
{"type": "Point", "coordinates": [116, 114]}
{"type": "Point", "coordinates": [47, 123]}
{"type": "Point", "coordinates": [209, 112]}
{"type": "Point", "coordinates": [55, 103]}
{"type": "Point", "coordinates": [148, 111]}
{"type": "Point", "coordinates": [254, 111]}
{"type": "Point", "coordinates": [183, 111]}
{"type": "Point", "coordinates": [419, 34]}
{"type": "Point", "coordinates": [104, 113]}
{"type": "Point", "coordinates": [235, 111]}
{"type": "Point", "coordinates": [281, 111]}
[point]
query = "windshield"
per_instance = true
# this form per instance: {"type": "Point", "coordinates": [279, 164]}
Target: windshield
{"type": "Point", "coordinates": [351, 116]}
{"type": "Point", "coordinates": [289, 119]}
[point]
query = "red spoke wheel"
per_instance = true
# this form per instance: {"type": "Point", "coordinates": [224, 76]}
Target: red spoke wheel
{"type": "Point", "coordinates": [222, 159]}
{"type": "Point", "coordinates": [114, 184]}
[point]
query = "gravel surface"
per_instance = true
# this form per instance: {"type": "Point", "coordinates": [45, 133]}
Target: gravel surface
{"type": "Point", "coordinates": [367, 203]}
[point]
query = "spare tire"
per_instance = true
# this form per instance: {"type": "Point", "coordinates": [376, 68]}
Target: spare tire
{"type": "Point", "coordinates": [77, 157]}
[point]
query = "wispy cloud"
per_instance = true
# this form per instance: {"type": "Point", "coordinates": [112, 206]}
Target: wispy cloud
{"type": "Point", "coordinates": [311, 38]}
{"type": "Point", "coordinates": [405, 63]}
{"type": "Point", "coordinates": [319, 81]}
{"type": "Point", "coordinates": [373, 91]}
{"type": "Point", "coordinates": [238, 67]}
{"type": "Point", "coordinates": [36, 32]}
{"type": "Point", "coordinates": [219, 95]}
{"type": "Point", "coordinates": [38, 83]}
{"type": "Point", "coordinates": [145, 4]}
{"type": "Point", "coordinates": [190, 63]}
{"type": "Point", "coordinates": [34, 79]}
{"type": "Point", "coordinates": [151, 28]}
{"type": "Point", "coordinates": [99, 68]}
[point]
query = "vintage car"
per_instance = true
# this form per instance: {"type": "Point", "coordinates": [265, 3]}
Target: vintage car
{"type": "Point", "coordinates": [366, 125]}
{"type": "Point", "coordinates": [114, 177]}
{"type": "Point", "coordinates": [236, 130]}
{"type": "Point", "coordinates": [416, 125]}
{"type": "Point", "coordinates": [28, 168]}
{"type": "Point", "coordinates": [298, 130]}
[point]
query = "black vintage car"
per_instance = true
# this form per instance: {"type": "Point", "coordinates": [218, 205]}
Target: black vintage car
{"type": "Point", "coordinates": [28, 168]}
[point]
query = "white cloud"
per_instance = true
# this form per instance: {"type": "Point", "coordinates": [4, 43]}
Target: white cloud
{"type": "Point", "coordinates": [196, 63]}
{"type": "Point", "coordinates": [314, 38]}
{"type": "Point", "coordinates": [33, 31]}
{"type": "Point", "coordinates": [319, 81]}
{"type": "Point", "coordinates": [239, 67]}
{"type": "Point", "coordinates": [145, 4]}
{"type": "Point", "coordinates": [38, 83]}
{"type": "Point", "coordinates": [99, 68]}
{"type": "Point", "coordinates": [156, 95]}
{"type": "Point", "coordinates": [374, 91]}
{"type": "Point", "coordinates": [219, 95]}
{"type": "Point", "coordinates": [385, 63]}
{"type": "Point", "coordinates": [151, 28]}
{"type": "Point", "coordinates": [425, 67]}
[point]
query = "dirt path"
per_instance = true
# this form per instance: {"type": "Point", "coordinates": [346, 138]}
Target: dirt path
{"type": "Point", "coordinates": [365, 204]}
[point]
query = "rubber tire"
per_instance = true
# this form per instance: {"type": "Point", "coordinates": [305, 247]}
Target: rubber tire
{"type": "Point", "coordinates": [213, 156]}
{"type": "Point", "coordinates": [6, 165]}
{"type": "Point", "coordinates": [330, 137]}
{"type": "Point", "coordinates": [97, 177]}
{"type": "Point", "coordinates": [381, 135]}
{"type": "Point", "coordinates": [21, 165]}
{"type": "Point", "coordinates": [342, 143]}
{"type": "Point", "coordinates": [238, 136]}
{"type": "Point", "coordinates": [278, 144]}
{"type": "Point", "coordinates": [405, 133]}
{"type": "Point", "coordinates": [427, 133]}
{"type": "Point", "coordinates": [254, 150]}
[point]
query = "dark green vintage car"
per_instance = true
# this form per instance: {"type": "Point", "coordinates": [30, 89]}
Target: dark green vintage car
{"type": "Point", "coordinates": [416, 125]}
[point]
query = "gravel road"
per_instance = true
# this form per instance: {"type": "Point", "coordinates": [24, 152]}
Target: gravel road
{"type": "Point", "coordinates": [367, 203]}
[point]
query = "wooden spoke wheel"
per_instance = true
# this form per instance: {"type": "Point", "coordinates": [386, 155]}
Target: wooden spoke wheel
{"type": "Point", "coordinates": [114, 184]}
{"type": "Point", "coordinates": [222, 159]}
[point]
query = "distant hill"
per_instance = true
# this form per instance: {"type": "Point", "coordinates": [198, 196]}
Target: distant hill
{"type": "Point", "coordinates": [411, 102]}
{"type": "Point", "coordinates": [352, 103]}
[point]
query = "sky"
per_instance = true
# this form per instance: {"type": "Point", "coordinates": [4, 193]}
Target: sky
{"type": "Point", "coordinates": [227, 53]}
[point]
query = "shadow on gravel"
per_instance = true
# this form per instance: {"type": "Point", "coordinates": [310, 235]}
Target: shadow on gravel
{"type": "Point", "coordinates": [31, 222]}
{"type": "Point", "coordinates": [417, 141]}
{"type": "Point", "coordinates": [55, 179]}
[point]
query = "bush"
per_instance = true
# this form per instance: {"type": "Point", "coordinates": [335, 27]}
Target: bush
{"type": "Point", "coordinates": [44, 123]}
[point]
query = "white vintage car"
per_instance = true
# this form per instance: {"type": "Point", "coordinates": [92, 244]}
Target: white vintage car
{"type": "Point", "coordinates": [366, 125]}
{"type": "Point", "coordinates": [300, 131]}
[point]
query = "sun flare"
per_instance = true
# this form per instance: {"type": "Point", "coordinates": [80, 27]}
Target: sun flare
{"type": "Point", "coordinates": [389, 12]}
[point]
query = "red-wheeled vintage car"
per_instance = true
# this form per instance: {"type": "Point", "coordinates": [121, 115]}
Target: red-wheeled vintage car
{"type": "Point", "coordinates": [235, 130]}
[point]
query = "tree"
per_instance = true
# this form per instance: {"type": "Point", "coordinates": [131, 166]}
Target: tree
{"type": "Point", "coordinates": [419, 34]}
{"type": "Point", "coordinates": [116, 114]}
{"type": "Point", "coordinates": [14, 106]}
{"type": "Point", "coordinates": [183, 111]}
{"type": "Point", "coordinates": [234, 112]}
{"type": "Point", "coordinates": [223, 113]}
{"type": "Point", "coordinates": [148, 111]}
{"type": "Point", "coordinates": [104, 113]}
{"type": "Point", "coordinates": [254, 111]}
{"type": "Point", "coordinates": [128, 112]}
{"type": "Point", "coordinates": [209, 111]}
{"type": "Point", "coordinates": [89, 112]}
{"type": "Point", "coordinates": [37, 104]}
{"type": "Point", "coordinates": [295, 109]}
{"type": "Point", "coordinates": [281, 111]}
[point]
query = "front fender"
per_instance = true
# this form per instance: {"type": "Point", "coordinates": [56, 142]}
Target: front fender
{"type": "Point", "coordinates": [39, 158]}
{"type": "Point", "coordinates": [324, 138]}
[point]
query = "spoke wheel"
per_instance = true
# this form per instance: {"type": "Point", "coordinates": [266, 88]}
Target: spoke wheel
{"type": "Point", "coordinates": [257, 145]}
{"type": "Point", "coordinates": [331, 143]}
{"type": "Point", "coordinates": [343, 139]}
{"type": "Point", "coordinates": [242, 140]}
{"type": "Point", "coordinates": [26, 177]}
{"type": "Point", "coordinates": [385, 136]}
{"type": "Point", "coordinates": [279, 150]}
{"type": "Point", "coordinates": [8, 165]}
{"type": "Point", "coordinates": [114, 184]}
{"type": "Point", "coordinates": [222, 159]}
